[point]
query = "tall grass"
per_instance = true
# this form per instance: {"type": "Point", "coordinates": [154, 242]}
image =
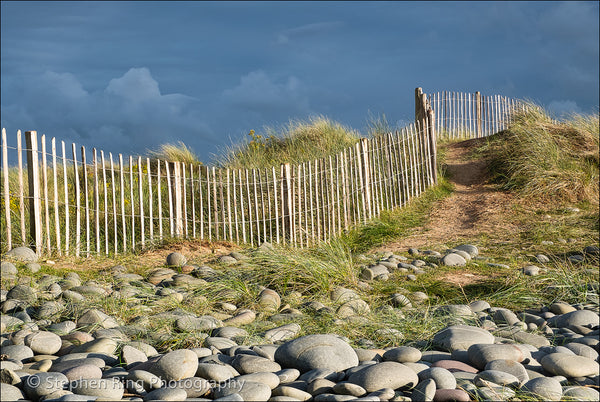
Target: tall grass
{"type": "Point", "coordinates": [299, 141]}
{"type": "Point", "coordinates": [175, 153]}
{"type": "Point", "coordinates": [547, 159]}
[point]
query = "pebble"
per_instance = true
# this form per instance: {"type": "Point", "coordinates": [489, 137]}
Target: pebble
{"type": "Point", "coordinates": [545, 387]}
{"type": "Point", "coordinates": [461, 337]}
{"type": "Point", "coordinates": [534, 349]}
{"type": "Point", "coordinates": [316, 351]}
{"type": "Point", "coordinates": [384, 375]}
{"type": "Point", "coordinates": [569, 365]}
{"type": "Point", "coordinates": [453, 260]}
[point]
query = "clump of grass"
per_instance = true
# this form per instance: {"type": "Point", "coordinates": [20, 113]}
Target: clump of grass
{"type": "Point", "coordinates": [546, 159]}
{"type": "Point", "coordinates": [298, 142]}
{"type": "Point", "coordinates": [175, 153]}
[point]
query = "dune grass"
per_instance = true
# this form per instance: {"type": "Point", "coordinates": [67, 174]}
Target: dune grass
{"type": "Point", "coordinates": [175, 153]}
{"type": "Point", "coordinates": [297, 142]}
{"type": "Point", "coordinates": [546, 159]}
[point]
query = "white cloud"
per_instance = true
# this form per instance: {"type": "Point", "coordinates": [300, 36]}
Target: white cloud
{"type": "Point", "coordinates": [259, 93]}
{"type": "Point", "coordinates": [128, 116]}
{"type": "Point", "coordinates": [137, 85]}
{"type": "Point", "coordinates": [562, 108]}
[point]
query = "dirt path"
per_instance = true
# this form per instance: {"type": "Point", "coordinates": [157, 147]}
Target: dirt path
{"type": "Point", "coordinates": [475, 206]}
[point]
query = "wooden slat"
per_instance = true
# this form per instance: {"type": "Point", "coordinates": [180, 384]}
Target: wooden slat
{"type": "Point", "coordinates": [66, 189]}
{"type": "Point", "coordinates": [96, 202]}
{"type": "Point", "coordinates": [215, 202]}
{"type": "Point", "coordinates": [86, 201]}
{"type": "Point", "coordinates": [255, 206]}
{"type": "Point", "coordinates": [105, 186]}
{"type": "Point", "coordinates": [114, 203]}
{"type": "Point", "coordinates": [242, 206]}
{"type": "Point", "coordinates": [132, 202]}
{"type": "Point", "coordinates": [337, 204]}
{"type": "Point", "coordinates": [284, 226]}
{"type": "Point", "coordinates": [45, 187]}
{"type": "Point", "coordinates": [269, 205]}
{"type": "Point", "coordinates": [150, 201]}
{"type": "Point", "coordinates": [262, 205]}
{"type": "Point", "coordinates": [159, 200]}
{"type": "Point", "coordinates": [184, 200]}
{"type": "Point", "coordinates": [6, 190]}
{"type": "Point", "coordinates": [192, 200]}
{"type": "Point", "coordinates": [21, 189]}
{"type": "Point", "coordinates": [170, 192]}
{"type": "Point", "coordinates": [141, 195]}
{"type": "Point", "coordinates": [222, 198]}
{"type": "Point", "coordinates": [345, 183]}
{"type": "Point", "coordinates": [307, 228]}
{"type": "Point", "coordinates": [208, 204]}
{"type": "Point", "coordinates": [77, 205]}
{"type": "Point", "coordinates": [201, 199]}
{"type": "Point", "coordinates": [56, 213]}
{"type": "Point", "coordinates": [235, 206]}
{"type": "Point", "coordinates": [276, 207]}
{"type": "Point", "coordinates": [122, 194]}
{"type": "Point", "coordinates": [35, 213]}
{"type": "Point", "coordinates": [229, 206]}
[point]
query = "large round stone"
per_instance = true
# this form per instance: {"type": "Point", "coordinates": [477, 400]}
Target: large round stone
{"type": "Point", "coordinates": [10, 392]}
{"type": "Point", "coordinates": [248, 390]}
{"type": "Point", "coordinates": [41, 384]}
{"type": "Point", "coordinates": [547, 388]}
{"type": "Point", "coordinates": [176, 260]}
{"type": "Point", "coordinates": [316, 352]}
{"type": "Point", "coordinates": [482, 354]}
{"type": "Point", "coordinates": [384, 375]}
{"type": "Point", "coordinates": [22, 292]}
{"type": "Point", "coordinates": [106, 388]}
{"type": "Point", "coordinates": [453, 260]}
{"type": "Point", "coordinates": [96, 318]}
{"type": "Point", "coordinates": [569, 365]}
{"type": "Point", "coordinates": [579, 317]}
{"type": "Point", "coordinates": [43, 342]}
{"type": "Point", "coordinates": [175, 365]}
{"type": "Point", "coordinates": [22, 254]}
{"type": "Point", "coordinates": [461, 337]}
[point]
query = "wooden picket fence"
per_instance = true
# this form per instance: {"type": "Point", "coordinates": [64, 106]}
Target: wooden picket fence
{"type": "Point", "coordinates": [471, 115]}
{"type": "Point", "coordinates": [73, 201]}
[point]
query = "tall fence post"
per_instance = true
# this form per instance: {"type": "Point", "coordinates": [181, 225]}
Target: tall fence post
{"type": "Point", "coordinates": [35, 205]}
{"type": "Point", "coordinates": [478, 113]}
{"type": "Point", "coordinates": [420, 104]}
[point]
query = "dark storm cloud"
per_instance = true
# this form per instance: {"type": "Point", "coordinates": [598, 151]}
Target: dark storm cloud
{"type": "Point", "coordinates": [128, 76]}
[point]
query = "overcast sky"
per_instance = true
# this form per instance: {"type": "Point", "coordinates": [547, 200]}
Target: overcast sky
{"type": "Point", "coordinates": [126, 77]}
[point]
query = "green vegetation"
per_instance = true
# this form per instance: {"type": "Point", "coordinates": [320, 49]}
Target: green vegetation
{"type": "Point", "coordinates": [300, 141]}
{"type": "Point", "coordinates": [545, 159]}
{"type": "Point", "coordinates": [175, 153]}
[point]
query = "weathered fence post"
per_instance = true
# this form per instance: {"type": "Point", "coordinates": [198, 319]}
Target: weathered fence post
{"type": "Point", "coordinates": [364, 157]}
{"type": "Point", "coordinates": [35, 206]}
{"type": "Point", "coordinates": [420, 104]}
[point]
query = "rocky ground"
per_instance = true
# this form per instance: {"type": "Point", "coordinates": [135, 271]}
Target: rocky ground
{"type": "Point", "coordinates": [482, 353]}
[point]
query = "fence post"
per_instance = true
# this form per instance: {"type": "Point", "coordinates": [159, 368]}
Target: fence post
{"type": "Point", "coordinates": [432, 143]}
{"type": "Point", "coordinates": [35, 207]}
{"type": "Point", "coordinates": [420, 104]}
{"type": "Point", "coordinates": [478, 112]}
